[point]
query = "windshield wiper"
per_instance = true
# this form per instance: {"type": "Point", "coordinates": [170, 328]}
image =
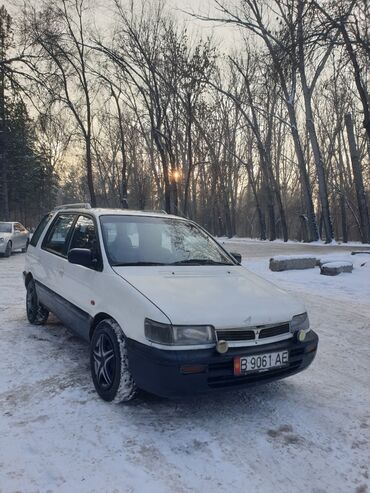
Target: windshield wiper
{"type": "Point", "coordinates": [199, 261]}
{"type": "Point", "coordinates": [137, 264]}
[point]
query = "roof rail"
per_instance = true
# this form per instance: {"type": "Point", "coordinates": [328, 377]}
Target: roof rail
{"type": "Point", "coordinates": [84, 205]}
{"type": "Point", "coordinates": [156, 211]}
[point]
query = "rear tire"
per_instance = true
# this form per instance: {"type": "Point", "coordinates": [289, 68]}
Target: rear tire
{"type": "Point", "coordinates": [8, 250]}
{"type": "Point", "coordinates": [36, 313]}
{"type": "Point", "coordinates": [24, 250]}
{"type": "Point", "coordinates": [109, 363]}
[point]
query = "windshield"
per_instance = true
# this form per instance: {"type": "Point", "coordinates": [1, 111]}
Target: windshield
{"type": "Point", "coordinates": [140, 240]}
{"type": "Point", "coordinates": [5, 228]}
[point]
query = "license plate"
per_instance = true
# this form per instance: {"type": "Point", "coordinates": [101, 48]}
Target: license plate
{"type": "Point", "coordinates": [260, 362]}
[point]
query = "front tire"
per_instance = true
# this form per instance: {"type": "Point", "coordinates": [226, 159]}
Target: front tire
{"type": "Point", "coordinates": [36, 313]}
{"type": "Point", "coordinates": [8, 250]}
{"type": "Point", "coordinates": [109, 363]}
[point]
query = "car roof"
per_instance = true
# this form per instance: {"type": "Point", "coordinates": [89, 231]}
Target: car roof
{"type": "Point", "coordinates": [99, 211]}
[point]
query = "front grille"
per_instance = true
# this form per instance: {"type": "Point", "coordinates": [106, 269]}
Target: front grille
{"type": "Point", "coordinates": [250, 335]}
{"type": "Point", "coordinates": [274, 331]}
{"type": "Point", "coordinates": [235, 335]}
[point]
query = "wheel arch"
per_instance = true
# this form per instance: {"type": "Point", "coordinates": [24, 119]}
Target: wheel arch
{"type": "Point", "coordinates": [96, 320]}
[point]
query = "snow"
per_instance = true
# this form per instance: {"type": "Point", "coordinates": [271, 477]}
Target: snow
{"type": "Point", "coordinates": [291, 257]}
{"type": "Point", "coordinates": [319, 243]}
{"type": "Point", "coordinates": [310, 432]}
{"type": "Point", "coordinates": [325, 260]}
{"type": "Point", "coordinates": [338, 264]}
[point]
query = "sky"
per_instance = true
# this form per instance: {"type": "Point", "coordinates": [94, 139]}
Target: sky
{"type": "Point", "coordinates": [225, 36]}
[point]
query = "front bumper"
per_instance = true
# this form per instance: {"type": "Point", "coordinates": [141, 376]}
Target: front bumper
{"type": "Point", "coordinates": [159, 371]}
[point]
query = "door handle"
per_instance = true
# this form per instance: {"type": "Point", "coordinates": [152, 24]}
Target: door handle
{"type": "Point", "coordinates": [60, 272]}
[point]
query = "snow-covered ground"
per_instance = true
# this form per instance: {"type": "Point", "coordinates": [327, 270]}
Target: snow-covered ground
{"type": "Point", "coordinates": [310, 432]}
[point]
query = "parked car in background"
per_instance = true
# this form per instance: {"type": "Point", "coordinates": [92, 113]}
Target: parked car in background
{"type": "Point", "coordinates": [13, 236]}
{"type": "Point", "coordinates": [164, 307]}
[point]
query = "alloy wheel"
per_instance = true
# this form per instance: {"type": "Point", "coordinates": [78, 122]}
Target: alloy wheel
{"type": "Point", "coordinates": [104, 361]}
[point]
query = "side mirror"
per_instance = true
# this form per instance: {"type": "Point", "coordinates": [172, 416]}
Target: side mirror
{"type": "Point", "coordinates": [237, 256]}
{"type": "Point", "coordinates": [81, 256]}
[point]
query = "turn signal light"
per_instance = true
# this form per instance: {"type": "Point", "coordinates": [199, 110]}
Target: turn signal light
{"type": "Point", "coordinates": [188, 369]}
{"type": "Point", "coordinates": [312, 349]}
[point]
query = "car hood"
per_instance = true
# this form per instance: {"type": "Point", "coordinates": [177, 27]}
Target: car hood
{"type": "Point", "coordinates": [221, 296]}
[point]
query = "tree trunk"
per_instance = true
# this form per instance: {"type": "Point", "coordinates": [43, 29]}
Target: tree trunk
{"type": "Point", "coordinates": [359, 184]}
{"type": "Point", "coordinates": [165, 169]}
{"type": "Point", "coordinates": [261, 217]}
{"type": "Point", "coordinates": [305, 181]}
{"type": "Point", "coordinates": [323, 190]}
{"type": "Point", "coordinates": [229, 226]}
{"type": "Point", "coordinates": [361, 86]}
{"type": "Point", "coordinates": [89, 170]}
{"type": "Point", "coordinates": [342, 198]}
{"type": "Point", "coordinates": [5, 215]}
{"type": "Point", "coordinates": [343, 216]}
{"type": "Point", "coordinates": [284, 226]}
{"type": "Point", "coordinates": [124, 191]}
{"type": "Point", "coordinates": [271, 213]}
{"type": "Point", "coordinates": [190, 156]}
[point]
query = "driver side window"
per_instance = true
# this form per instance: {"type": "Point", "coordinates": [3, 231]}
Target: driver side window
{"type": "Point", "coordinates": [84, 236]}
{"type": "Point", "coordinates": [18, 227]}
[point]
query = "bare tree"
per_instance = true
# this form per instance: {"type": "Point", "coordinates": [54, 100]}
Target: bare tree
{"type": "Point", "coordinates": [251, 18]}
{"type": "Point", "coordinates": [357, 173]}
{"type": "Point", "coordinates": [342, 17]}
{"type": "Point", "coordinates": [58, 31]}
{"type": "Point", "coordinates": [5, 41]}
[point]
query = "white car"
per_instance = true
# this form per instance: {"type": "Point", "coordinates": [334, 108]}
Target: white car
{"type": "Point", "coordinates": [13, 236]}
{"type": "Point", "coordinates": [164, 307]}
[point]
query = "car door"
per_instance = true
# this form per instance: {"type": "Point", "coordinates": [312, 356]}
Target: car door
{"type": "Point", "coordinates": [52, 261]}
{"type": "Point", "coordinates": [22, 235]}
{"type": "Point", "coordinates": [17, 236]}
{"type": "Point", "coordinates": [80, 282]}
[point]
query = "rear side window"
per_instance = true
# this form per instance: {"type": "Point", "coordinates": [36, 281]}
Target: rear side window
{"type": "Point", "coordinates": [5, 228]}
{"type": "Point", "coordinates": [40, 229]}
{"type": "Point", "coordinates": [57, 239]}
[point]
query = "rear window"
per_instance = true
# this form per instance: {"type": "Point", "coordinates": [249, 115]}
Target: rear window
{"type": "Point", "coordinates": [40, 229]}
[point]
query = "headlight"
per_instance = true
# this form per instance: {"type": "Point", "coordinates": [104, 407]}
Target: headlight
{"type": "Point", "coordinates": [1, 240]}
{"type": "Point", "coordinates": [179, 335]}
{"type": "Point", "coordinates": [300, 322]}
